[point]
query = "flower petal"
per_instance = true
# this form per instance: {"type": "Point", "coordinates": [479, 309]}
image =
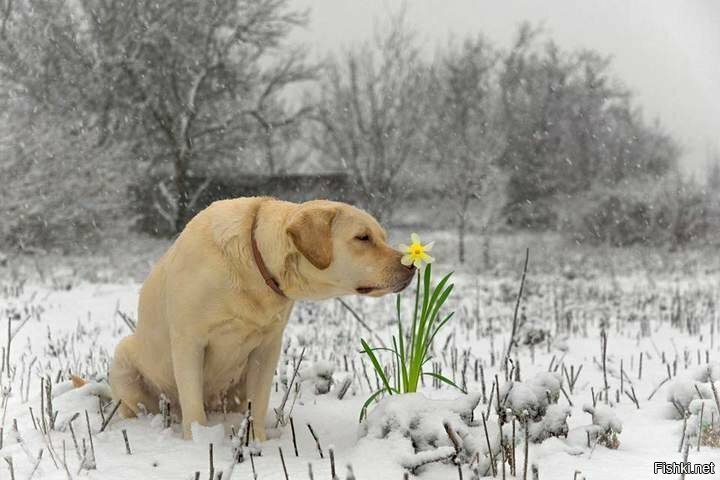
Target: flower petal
{"type": "Point", "coordinates": [429, 246]}
{"type": "Point", "coordinates": [417, 263]}
{"type": "Point", "coordinates": [406, 260]}
{"type": "Point", "coordinates": [415, 238]}
{"type": "Point", "coordinates": [427, 258]}
{"type": "Point", "coordinates": [404, 248]}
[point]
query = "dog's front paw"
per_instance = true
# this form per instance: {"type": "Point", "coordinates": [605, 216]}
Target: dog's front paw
{"type": "Point", "coordinates": [260, 433]}
{"type": "Point", "coordinates": [205, 435]}
{"type": "Point", "coordinates": [191, 429]}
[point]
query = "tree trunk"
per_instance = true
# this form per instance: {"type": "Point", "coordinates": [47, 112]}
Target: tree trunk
{"type": "Point", "coordinates": [462, 223]}
{"type": "Point", "coordinates": [486, 251]}
{"type": "Point", "coordinates": [461, 239]}
{"type": "Point", "coordinates": [181, 187]}
{"type": "Point", "coordinates": [269, 154]}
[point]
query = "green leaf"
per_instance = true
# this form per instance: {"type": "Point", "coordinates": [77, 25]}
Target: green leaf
{"type": "Point", "coordinates": [436, 312]}
{"type": "Point", "coordinates": [438, 289]}
{"type": "Point", "coordinates": [385, 349]}
{"type": "Point", "coordinates": [428, 302]}
{"type": "Point", "coordinates": [376, 364]}
{"type": "Point", "coordinates": [426, 289]}
{"type": "Point", "coordinates": [440, 301]}
{"type": "Point", "coordinates": [443, 378]}
{"type": "Point", "coordinates": [437, 329]}
{"type": "Point", "coordinates": [401, 352]}
{"type": "Point", "coordinates": [435, 332]}
{"type": "Point", "coordinates": [434, 300]}
{"type": "Point", "coordinates": [363, 410]}
{"type": "Point", "coordinates": [415, 314]}
{"type": "Point", "coordinates": [397, 364]}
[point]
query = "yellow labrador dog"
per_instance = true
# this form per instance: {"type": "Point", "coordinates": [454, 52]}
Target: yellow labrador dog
{"type": "Point", "coordinates": [213, 309]}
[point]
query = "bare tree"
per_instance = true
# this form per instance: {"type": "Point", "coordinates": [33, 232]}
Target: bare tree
{"type": "Point", "coordinates": [372, 114]}
{"type": "Point", "coordinates": [272, 114]}
{"type": "Point", "coordinates": [49, 141]}
{"type": "Point", "coordinates": [189, 80]}
{"type": "Point", "coordinates": [563, 113]}
{"type": "Point", "coordinates": [197, 70]}
{"type": "Point", "coordinates": [467, 135]}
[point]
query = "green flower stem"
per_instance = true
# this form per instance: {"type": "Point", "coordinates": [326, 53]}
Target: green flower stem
{"type": "Point", "coordinates": [410, 358]}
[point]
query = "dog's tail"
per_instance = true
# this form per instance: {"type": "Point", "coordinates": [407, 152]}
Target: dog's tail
{"type": "Point", "coordinates": [77, 382]}
{"type": "Point", "coordinates": [99, 389]}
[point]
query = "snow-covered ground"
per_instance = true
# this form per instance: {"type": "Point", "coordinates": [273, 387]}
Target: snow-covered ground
{"type": "Point", "coordinates": [68, 326]}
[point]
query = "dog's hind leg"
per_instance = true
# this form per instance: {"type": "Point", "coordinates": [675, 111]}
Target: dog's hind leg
{"type": "Point", "coordinates": [127, 382]}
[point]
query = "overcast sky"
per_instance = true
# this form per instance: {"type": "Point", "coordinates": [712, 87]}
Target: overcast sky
{"type": "Point", "coordinates": [667, 52]}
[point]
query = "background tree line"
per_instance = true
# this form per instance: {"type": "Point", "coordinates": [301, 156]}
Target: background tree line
{"type": "Point", "coordinates": [101, 96]}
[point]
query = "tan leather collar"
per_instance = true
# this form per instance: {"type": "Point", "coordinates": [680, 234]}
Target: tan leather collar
{"type": "Point", "coordinates": [267, 276]}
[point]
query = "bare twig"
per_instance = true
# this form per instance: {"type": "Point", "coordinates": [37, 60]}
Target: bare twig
{"type": "Point", "coordinates": [631, 395]}
{"type": "Point", "coordinates": [292, 428]}
{"type": "Point", "coordinates": [37, 464]}
{"type": "Point", "coordinates": [317, 442]}
{"type": "Point", "coordinates": [211, 461]}
{"type": "Point", "coordinates": [490, 452]}
{"type": "Point", "coordinates": [515, 313]}
{"type": "Point", "coordinates": [527, 445]}
{"type": "Point", "coordinates": [9, 461]}
{"type": "Point", "coordinates": [280, 411]}
{"type": "Point", "coordinates": [714, 391]}
{"type": "Point", "coordinates": [282, 460]}
{"type": "Point", "coordinates": [658, 388]}
{"type": "Point", "coordinates": [127, 442]}
{"type": "Point", "coordinates": [362, 322]}
{"type": "Point", "coordinates": [333, 474]}
{"type": "Point", "coordinates": [604, 340]}
{"type": "Point", "coordinates": [112, 414]}
{"type": "Point", "coordinates": [700, 425]}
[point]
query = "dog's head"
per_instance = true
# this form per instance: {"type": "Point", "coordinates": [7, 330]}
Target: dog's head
{"type": "Point", "coordinates": [343, 250]}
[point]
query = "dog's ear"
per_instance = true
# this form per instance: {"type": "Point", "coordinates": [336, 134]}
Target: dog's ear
{"type": "Point", "coordinates": [310, 229]}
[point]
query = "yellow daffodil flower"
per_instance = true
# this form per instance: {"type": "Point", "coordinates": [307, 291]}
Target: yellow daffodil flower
{"type": "Point", "coordinates": [416, 253]}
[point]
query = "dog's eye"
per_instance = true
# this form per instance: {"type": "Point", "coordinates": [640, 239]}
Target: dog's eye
{"type": "Point", "coordinates": [363, 238]}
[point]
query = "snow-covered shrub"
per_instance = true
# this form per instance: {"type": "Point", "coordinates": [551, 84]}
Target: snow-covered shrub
{"type": "Point", "coordinates": [535, 400]}
{"type": "Point", "coordinates": [707, 410]}
{"type": "Point", "coordinates": [547, 387]}
{"type": "Point", "coordinates": [706, 406]}
{"type": "Point", "coordinates": [684, 390]}
{"type": "Point", "coordinates": [693, 398]}
{"type": "Point", "coordinates": [407, 413]}
{"type": "Point", "coordinates": [646, 212]}
{"type": "Point", "coordinates": [553, 423]}
{"type": "Point", "coordinates": [518, 398]}
{"type": "Point", "coordinates": [420, 422]}
{"type": "Point", "coordinates": [412, 353]}
{"type": "Point", "coordinates": [605, 425]}
{"type": "Point", "coordinates": [533, 396]}
{"type": "Point", "coordinates": [319, 375]}
{"type": "Point", "coordinates": [534, 335]}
